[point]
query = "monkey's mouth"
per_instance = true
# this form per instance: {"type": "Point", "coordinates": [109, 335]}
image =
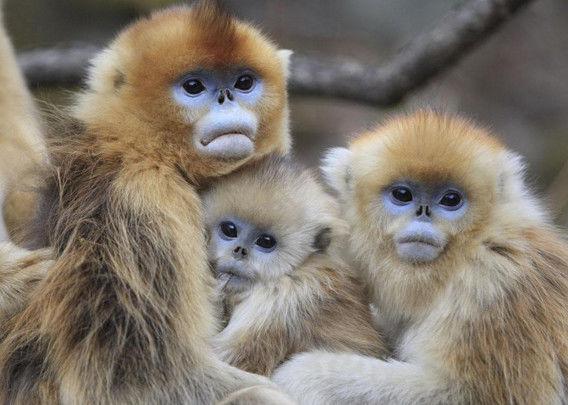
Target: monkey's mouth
{"type": "Point", "coordinates": [418, 249]}
{"type": "Point", "coordinates": [236, 143]}
{"type": "Point", "coordinates": [206, 140]}
{"type": "Point", "coordinates": [420, 240]}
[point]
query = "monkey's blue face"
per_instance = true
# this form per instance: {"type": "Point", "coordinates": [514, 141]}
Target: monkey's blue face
{"type": "Point", "coordinates": [243, 252]}
{"type": "Point", "coordinates": [425, 212]}
{"type": "Point", "coordinates": [220, 106]}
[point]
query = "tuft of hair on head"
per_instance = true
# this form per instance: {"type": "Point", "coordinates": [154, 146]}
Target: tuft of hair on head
{"type": "Point", "coordinates": [215, 19]}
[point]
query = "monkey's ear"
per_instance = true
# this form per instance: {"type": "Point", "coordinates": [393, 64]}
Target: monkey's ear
{"type": "Point", "coordinates": [105, 74]}
{"type": "Point", "coordinates": [284, 55]}
{"type": "Point", "coordinates": [511, 185]}
{"type": "Point", "coordinates": [322, 239]}
{"type": "Point", "coordinates": [335, 168]}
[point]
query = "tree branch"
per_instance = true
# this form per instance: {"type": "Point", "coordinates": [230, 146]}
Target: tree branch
{"type": "Point", "coordinates": [56, 66]}
{"type": "Point", "coordinates": [418, 62]}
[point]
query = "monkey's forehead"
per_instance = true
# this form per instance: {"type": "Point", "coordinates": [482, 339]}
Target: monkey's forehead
{"type": "Point", "coordinates": [182, 39]}
{"type": "Point", "coordinates": [274, 191]}
{"type": "Point", "coordinates": [282, 210]}
{"type": "Point", "coordinates": [429, 147]}
{"type": "Point", "coordinates": [259, 208]}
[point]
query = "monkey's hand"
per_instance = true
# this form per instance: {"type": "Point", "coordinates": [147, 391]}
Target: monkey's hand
{"type": "Point", "coordinates": [327, 378]}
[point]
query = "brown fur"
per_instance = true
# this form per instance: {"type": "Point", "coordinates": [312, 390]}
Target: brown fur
{"type": "Point", "coordinates": [312, 303]}
{"type": "Point", "coordinates": [124, 315]}
{"type": "Point", "coordinates": [320, 306]}
{"type": "Point", "coordinates": [20, 273]}
{"type": "Point", "coordinates": [485, 322]}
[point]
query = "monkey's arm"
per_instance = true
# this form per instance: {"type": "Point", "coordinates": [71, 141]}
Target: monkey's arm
{"type": "Point", "coordinates": [256, 338]}
{"type": "Point", "coordinates": [275, 321]}
{"type": "Point", "coordinates": [326, 378]}
{"type": "Point", "coordinates": [319, 307]}
{"type": "Point", "coordinates": [343, 315]}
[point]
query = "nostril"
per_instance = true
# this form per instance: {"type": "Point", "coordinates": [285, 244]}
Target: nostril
{"type": "Point", "coordinates": [237, 249]}
{"type": "Point", "coordinates": [244, 252]}
{"type": "Point", "coordinates": [229, 95]}
{"type": "Point", "coordinates": [420, 211]}
{"type": "Point", "coordinates": [221, 98]}
{"type": "Point", "coordinates": [428, 212]}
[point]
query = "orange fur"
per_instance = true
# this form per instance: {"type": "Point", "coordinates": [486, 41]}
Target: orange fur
{"type": "Point", "coordinates": [130, 85]}
{"type": "Point", "coordinates": [485, 322]}
{"type": "Point", "coordinates": [124, 315]}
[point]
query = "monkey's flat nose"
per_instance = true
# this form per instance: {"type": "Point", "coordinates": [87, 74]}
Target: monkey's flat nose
{"type": "Point", "coordinates": [239, 252]}
{"type": "Point", "coordinates": [225, 94]}
{"type": "Point", "coordinates": [424, 210]}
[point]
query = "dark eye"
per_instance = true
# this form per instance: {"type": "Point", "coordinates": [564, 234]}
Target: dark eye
{"type": "Point", "coordinates": [229, 229]}
{"type": "Point", "coordinates": [402, 194]}
{"type": "Point", "coordinates": [451, 199]}
{"type": "Point", "coordinates": [244, 83]}
{"type": "Point", "coordinates": [266, 241]}
{"type": "Point", "coordinates": [193, 86]}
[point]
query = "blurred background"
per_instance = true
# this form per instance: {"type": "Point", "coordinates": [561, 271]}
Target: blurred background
{"type": "Point", "coordinates": [515, 83]}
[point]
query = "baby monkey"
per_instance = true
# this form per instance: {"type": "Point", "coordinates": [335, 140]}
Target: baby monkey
{"type": "Point", "coordinates": [274, 234]}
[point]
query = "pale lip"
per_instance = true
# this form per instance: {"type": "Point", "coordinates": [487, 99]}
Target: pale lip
{"type": "Point", "coordinates": [230, 144]}
{"type": "Point", "coordinates": [425, 241]}
{"type": "Point", "coordinates": [208, 138]}
{"type": "Point", "coordinates": [418, 249]}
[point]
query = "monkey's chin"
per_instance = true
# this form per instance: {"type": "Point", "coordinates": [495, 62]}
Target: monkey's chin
{"type": "Point", "coordinates": [418, 252]}
{"type": "Point", "coordinates": [231, 146]}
